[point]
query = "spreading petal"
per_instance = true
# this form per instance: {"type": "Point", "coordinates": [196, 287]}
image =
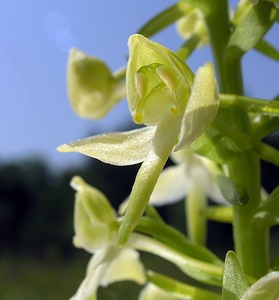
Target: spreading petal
{"type": "Point", "coordinates": [202, 107]}
{"type": "Point", "coordinates": [118, 148]}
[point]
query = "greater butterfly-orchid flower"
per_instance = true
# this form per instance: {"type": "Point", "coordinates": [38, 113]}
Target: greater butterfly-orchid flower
{"type": "Point", "coordinates": [175, 106]}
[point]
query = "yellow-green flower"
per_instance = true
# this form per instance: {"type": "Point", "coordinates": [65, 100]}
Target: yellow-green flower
{"type": "Point", "coordinates": [176, 108]}
{"type": "Point", "coordinates": [95, 231]}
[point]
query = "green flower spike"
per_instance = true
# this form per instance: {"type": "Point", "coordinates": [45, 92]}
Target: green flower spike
{"type": "Point", "coordinates": [176, 107]}
{"type": "Point", "coordinates": [95, 231]}
{"type": "Point", "coordinates": [92, 88]}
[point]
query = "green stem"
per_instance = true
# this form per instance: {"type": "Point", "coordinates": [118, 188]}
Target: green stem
{"type": "Point", "coordinates": [188, 47]}
{"type": "Point", "coordinates": [251, 239]}
{"type": "Point", "coordinates": [180, 289]}
{"type": "Point", "coordinates": [199, 270]}
{"type": "Point", "coordinates": [218, 25]}
{"type": "Point", "coordinates": [245, 169]}
{"type": "Point", "coordinates": [248, 104]}
{"type": "Point", "coordinates": [176, 240]}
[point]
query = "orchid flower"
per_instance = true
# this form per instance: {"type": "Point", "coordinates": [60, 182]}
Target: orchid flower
{"type": "Point", "coordinates": [92, 88]}
{"type": "Point", "coordinates": [94, 224]}
{"type": "Point", "coordinates": [176, 108]}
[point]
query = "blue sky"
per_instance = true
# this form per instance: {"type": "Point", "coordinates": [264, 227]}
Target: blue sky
{"type": "Point", "coordinates": [35, 37]}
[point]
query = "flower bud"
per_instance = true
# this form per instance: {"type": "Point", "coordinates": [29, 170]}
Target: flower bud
{"type": "Point", "coordinates": [93, 217]}
{"type": "Point", "coordinates": [92, 88]}
{"type": "Point", "coordinates": [193, 23]}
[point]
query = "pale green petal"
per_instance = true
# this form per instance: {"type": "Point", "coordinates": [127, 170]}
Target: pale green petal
{"type": "Point", "coordinates": [93, 216]}
{"type": "Point", "coordinates": [94, 274]}
{"type": "Point", "coordinates": [92, 88]}
{"type": "Point", "coordinates": [202, 107]}
{"type": "Point", "coordinates": [171, 186]}
{"type": "Point", "coordinates": [119, 148]}
{"type": "Point", "coordinates": [125, 266]}
{"type": "Point", "coordinates": [266, 287]}
{"type": "Point", "coordinates": [109, 265]}
{"type": "Point", "coordinates": [152, 292]}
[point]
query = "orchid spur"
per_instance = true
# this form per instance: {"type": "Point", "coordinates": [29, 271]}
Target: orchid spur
{"type": "Point", "coordinates": [176, 108]}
